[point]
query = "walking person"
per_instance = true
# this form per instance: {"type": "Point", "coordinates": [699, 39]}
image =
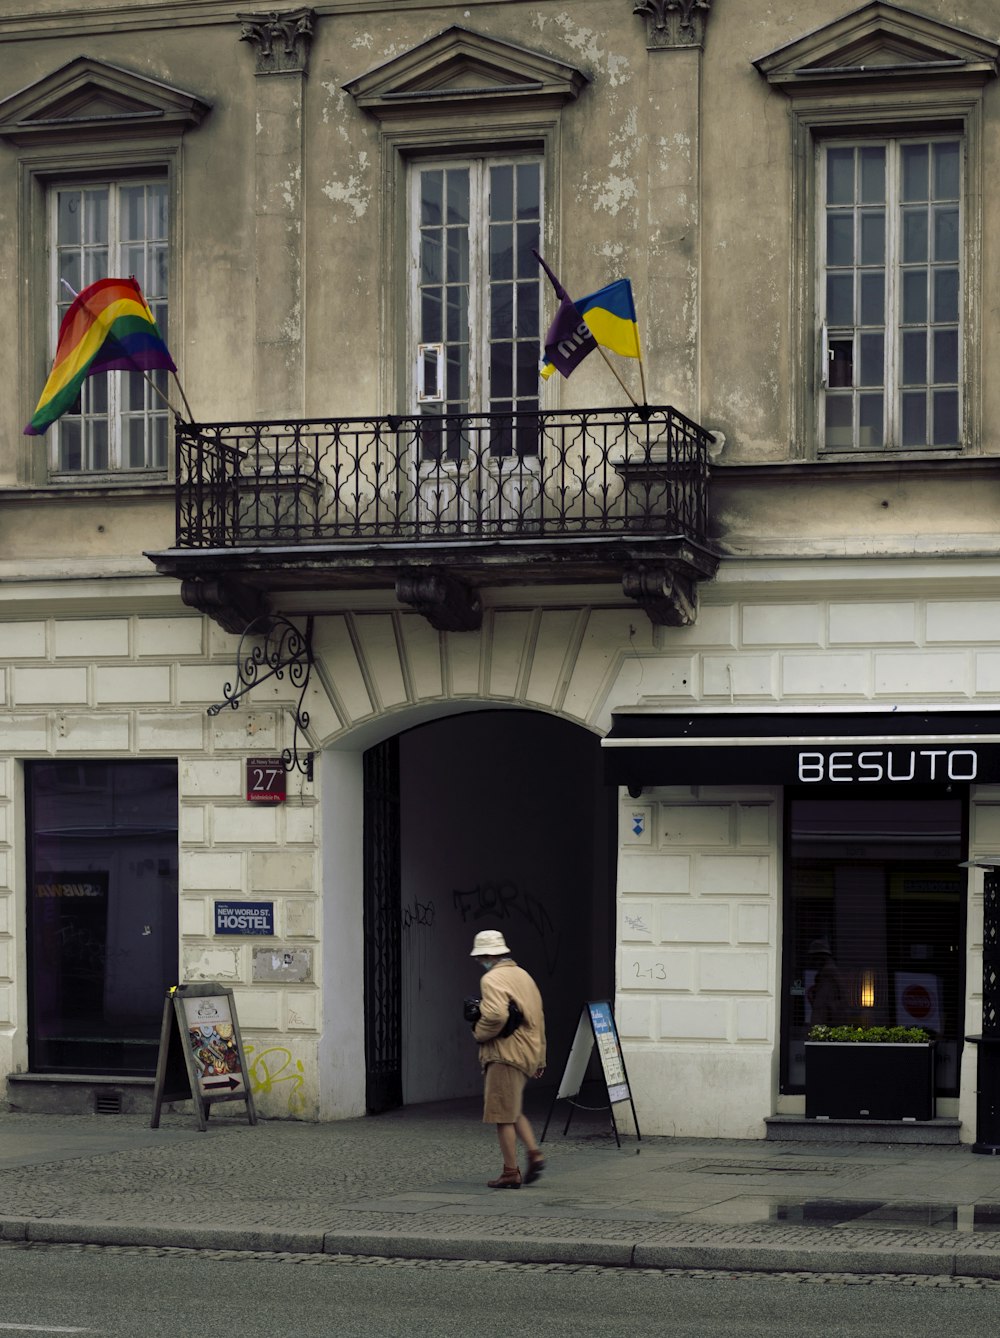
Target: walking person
{"type": "Point", "coordinates": [509, 1026]}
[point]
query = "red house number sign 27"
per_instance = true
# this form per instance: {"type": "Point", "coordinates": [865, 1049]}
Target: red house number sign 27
{"type": "Point", "coordinates": [265, 780]}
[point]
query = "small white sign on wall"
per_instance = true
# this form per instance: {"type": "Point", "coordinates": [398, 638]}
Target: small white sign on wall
{"type": "Point", "coordinates": [637, 825]}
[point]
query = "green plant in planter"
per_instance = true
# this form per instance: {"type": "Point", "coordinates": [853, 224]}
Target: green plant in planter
{"type": "Point", "coordinates": [872, 1035]}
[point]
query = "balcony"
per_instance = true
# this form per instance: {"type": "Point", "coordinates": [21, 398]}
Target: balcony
{"type": "Point", "coordinates": [436, 506]}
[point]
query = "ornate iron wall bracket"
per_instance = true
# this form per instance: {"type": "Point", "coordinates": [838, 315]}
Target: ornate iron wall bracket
{"type": "Point", "coordinates": [283, 650]}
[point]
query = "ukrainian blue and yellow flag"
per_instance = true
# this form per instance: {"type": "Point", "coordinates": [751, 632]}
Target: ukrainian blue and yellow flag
{"type": "Point", "coordinates": [609, 315]}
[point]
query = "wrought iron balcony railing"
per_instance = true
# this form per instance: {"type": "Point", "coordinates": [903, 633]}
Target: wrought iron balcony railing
{"type": "Point", "coordinates": [493, 477]}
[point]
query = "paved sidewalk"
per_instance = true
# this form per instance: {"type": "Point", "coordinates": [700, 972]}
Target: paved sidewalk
{"type": "Point", "coordinates": [412, 1184]}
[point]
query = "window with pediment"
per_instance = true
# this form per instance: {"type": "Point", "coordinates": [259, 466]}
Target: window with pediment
{"type": "Point", "coordinates": [469, 129]}
{"type": "Point", "coordinates": [98, 149]}
{"type": "Point", "coordinates": [886, 111]}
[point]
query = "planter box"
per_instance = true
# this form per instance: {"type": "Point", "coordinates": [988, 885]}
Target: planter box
{"type": "Point", "coordinates": [858, 1080]}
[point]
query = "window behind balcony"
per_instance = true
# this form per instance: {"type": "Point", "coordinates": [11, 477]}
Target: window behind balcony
{"type": "Point", "coordinates": [476, 290]}
{"type": "Point", "coordinates": [891, 293]}
{"type": "Point", "coordinates": [100, 230]}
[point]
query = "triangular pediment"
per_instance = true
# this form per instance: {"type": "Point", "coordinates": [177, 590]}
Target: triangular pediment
{"type": "Point", "coordinates": [880, 41]}
{"type": "Point", "coordinates": [90, 95]}
{"type": "Point", "coordinates": [459, 65]}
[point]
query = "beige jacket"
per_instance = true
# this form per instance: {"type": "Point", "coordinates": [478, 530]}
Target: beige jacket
{"type": "Point", "coordinates": [525, 1049]}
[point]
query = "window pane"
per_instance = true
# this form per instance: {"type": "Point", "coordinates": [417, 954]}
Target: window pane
{"type": "Point", "coordinates": [870, 414]}
{"type": "Point", "coordinates": [840, 176]}
{"type": "Point", "coordinates": [872, 176]}
{"type": "Point", "coordinates": [914, 236]}
{"type": "Point", "coordinates": [946, 418]}
{"type": "Point", "coordinates": [946, 171]}
{"type": "Point", "coordinates": [430, 256]}
{"type": "Point", "coordinates": [873, 298]}
{"type": "Point", "coordinates": [528, 190]}
{"type": "Point", "coordinates": [840, 239]}
{"type": "Point", "coordinates": [458, 255]}
{"type": "Point", "coordinates": [527, 241]}
{"type": "Point", "coordinates": [915, 296]}
{"type": "Point", "coordinates": [69, 269]}
{"type": "Point", "coordinates": [133, 207]}
{"type": "Point", "coordinates": [872, 239]}
{"type": "Point", "coordinates": [501, 194]}
{"type": "Point", "coordinates": [914, 358]}
{"type": "Point", "coordinates": [431, 189]}
{"type": "Point", "coordinates": [95, 213]}
{"type": "Point", "coordinates": [527, 368]}
{"type": "Point", "coordinates": [501, 370]}
{"type": "Point", "coordinates": [946, 234]}
{"type": "Point", "coordinates": [915, 159]}
{"type": "Point", "coordinates": [69, 208]}
{"type": "Point", "coordinates": [458, 196]}
{"type": "Point", "coordinates": [915, 418]}
{"type": "Point", "coordinates": [135, 449]}
{"type": "Point", "coordinates": [501, 251]}
{"type": "Point", "coordinates": [872, 360]}
{"type": "Point", "coordinates": [527, 310]}
{"type": "Point", "coordinates": [157, 213]}
{"type": "Point", "coordinates": [840, 299]}
{"type": "Point", "coordinates": [841, 371]}
{"type": "Point", "coordinates": [945, 357]}
{"type": "Point", "coordinates": [839, 431]}
{"type": "Point", "coordinates": [457, 373]}
{"type": "Point", "coordinates": [70, 444]}
{"type": "Point", "coordinates": [99, 444]}
{"type": "Point", "coordinates": [430, 315]}
{"type": "Point", "coordinates": [457, 307]}
{"type": "Point", "coordinates": [946, 294]}
{"type": "Point", "coordinates": [501, 310]}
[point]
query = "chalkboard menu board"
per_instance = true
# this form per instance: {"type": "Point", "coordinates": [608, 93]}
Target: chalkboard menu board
{"type": "Point", "coordinates": [201, 1055]}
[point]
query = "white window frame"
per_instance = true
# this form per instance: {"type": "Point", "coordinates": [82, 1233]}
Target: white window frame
{"type": "Point", "coordinates": [893, 328]}
{"type": "Point", "coordinates": [479, 165]}
{"type": "Point", "coordinates": [117, 414]}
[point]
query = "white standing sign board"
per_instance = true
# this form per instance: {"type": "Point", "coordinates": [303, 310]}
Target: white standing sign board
{"type": "Point", "coordinates": [596, 1027]}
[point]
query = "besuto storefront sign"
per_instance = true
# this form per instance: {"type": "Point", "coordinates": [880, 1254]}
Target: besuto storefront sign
{"type": "Point", "coordinates": [853, 750]}
{"type": "Point", "coordinates": [887, 766]}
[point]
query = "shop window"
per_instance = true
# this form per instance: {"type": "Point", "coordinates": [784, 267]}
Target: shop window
{"type": "Point", "coordinates": [874, 913]}
{"type": "Point", "coordinates": [102, 913]}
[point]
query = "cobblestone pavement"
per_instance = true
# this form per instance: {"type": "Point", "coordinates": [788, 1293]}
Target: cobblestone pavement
{"type": "Point", "coordinates": [410, 1184]}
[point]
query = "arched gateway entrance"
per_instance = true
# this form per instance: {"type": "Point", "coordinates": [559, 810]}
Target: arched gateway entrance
{"type": "Point", "coordinates": [488, 819]}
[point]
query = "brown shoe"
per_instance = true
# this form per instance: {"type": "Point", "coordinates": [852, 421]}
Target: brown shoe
{"type": "Point", "coordinates": [536, 1165]}
{"type": "Point", "coordinates": [510, 1178]}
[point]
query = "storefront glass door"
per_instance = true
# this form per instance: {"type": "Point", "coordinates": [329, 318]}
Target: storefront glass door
{"type": "Point", "coordinates": [102, 913]}
{"type": "Point", "coordinates": [874, 914]}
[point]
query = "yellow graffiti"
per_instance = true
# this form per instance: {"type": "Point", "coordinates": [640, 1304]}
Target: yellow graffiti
{"type": "Point", "coordinates": [273, 1066]}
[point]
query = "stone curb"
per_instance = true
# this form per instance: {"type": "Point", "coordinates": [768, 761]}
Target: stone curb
{"type": "Point", "coordinates": [735, 1257]}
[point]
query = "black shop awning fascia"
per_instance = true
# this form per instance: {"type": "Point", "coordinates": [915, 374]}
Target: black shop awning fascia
{"type": "Point", "coordinates": [853, 749]}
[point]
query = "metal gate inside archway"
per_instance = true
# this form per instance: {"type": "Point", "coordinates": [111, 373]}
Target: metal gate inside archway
{"type": "Point", "coordinates": [493, 819]}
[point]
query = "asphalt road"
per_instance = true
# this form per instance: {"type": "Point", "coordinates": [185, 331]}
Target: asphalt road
{"type": "Point", "coordinates": [135, 1293]}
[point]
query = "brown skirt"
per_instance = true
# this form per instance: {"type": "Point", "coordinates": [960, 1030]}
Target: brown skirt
{"type": "Point", "coordinates": [503, 1093]}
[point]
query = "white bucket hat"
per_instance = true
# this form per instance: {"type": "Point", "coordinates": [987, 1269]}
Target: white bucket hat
{"type": "Point", "coordinates": [489, 943]}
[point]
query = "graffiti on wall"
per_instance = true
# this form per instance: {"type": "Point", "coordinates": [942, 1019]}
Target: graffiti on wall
{"type": "Point", "coordinates": [420, 913]}
{"type": "Point", "coordinates": [268, 1069]}
{"type": "Point", "coordinates": [505, 901]}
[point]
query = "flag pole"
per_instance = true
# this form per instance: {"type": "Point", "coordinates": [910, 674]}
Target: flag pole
{"type": "Point", "coordinates": [642, 378]}
{"type": "Point", "coordinates": [144, 374]}
{"type": "Point", "coordinates": [600, 349]}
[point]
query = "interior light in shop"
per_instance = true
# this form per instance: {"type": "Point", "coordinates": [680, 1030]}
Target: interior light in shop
{"type": "Point", "coordinates": [867, 991]}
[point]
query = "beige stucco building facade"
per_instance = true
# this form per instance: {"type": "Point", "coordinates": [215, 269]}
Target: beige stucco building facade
{"type": "Point", "coordinates": [320, 204]}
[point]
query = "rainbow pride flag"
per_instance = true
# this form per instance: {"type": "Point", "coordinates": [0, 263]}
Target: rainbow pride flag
{"type": "Point", "coordinates": [108, 328]}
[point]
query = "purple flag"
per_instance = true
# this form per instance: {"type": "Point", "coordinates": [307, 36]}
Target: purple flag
{"type": "Point", "coordinates": [568, 340]}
